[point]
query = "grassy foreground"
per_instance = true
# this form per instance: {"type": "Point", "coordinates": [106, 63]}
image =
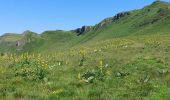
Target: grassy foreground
{"type": "Point", "coordinates": [124, 68]}
{"type": "Point", "coordinates": [127, 58]}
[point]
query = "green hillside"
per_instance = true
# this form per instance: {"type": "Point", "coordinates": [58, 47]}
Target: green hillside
{"type": "Point", "coordinates": [13, 42]}
{"type": "Point", "coordinates": [124, 57]}
{"type": "Point", "coordinates": [8, 41]}
{"type": "Point", "coordinates": [152, 19]}
{"type": "Point", "coordinates": [51, 40]}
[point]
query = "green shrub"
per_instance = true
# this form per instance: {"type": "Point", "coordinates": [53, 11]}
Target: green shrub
{"type": "Point", "coordinates": [29, 69]}
{"type": "Point", "coordinates": [96, 74]}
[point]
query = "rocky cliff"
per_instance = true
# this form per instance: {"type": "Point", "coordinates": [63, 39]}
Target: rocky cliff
{"type": "Point", "coordinates": [105, 22]}
{"type": "Point", "coordinates": [83, 30]}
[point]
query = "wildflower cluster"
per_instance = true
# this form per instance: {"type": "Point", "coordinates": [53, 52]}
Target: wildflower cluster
{"type": "Point", "coordinates": [98, 74]}
{"type": "Point", "coordinates": [29, 67]}
{"type": "Point", "coordinates": [82, 57]}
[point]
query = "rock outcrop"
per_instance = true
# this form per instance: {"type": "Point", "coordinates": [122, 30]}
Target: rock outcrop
{"type": "Point", "coordinates": [105, 22]}
{"type": "Point", "coordinates": [112, 19]}
{"type": "Point", "coordinates": [83, 30]}
{"type": "Point", "coordinates": [28, 36]}
{"type": "Point", "coordinates": [120, 15]}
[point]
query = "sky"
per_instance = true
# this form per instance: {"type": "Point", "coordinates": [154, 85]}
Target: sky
{"type": "Point", "coordinates": [17, 16]}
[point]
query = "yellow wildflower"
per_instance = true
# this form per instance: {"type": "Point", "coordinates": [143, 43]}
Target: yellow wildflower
{"type": "Point", "coordinates": [79, 76]}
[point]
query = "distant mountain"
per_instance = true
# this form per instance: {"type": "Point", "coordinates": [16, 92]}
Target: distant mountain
{"type": "Point", "coordinates": [152, 19]}
{"type": "Point", "coordinates": [13, 41]}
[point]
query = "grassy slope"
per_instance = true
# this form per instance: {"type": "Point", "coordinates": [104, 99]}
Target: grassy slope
{"type": "Point", "coordinates": [137, 68]}
{"type": "Point", "coordinates": [51, 41]}
{"type": "Point", "coordinates": [130, 25]}
{"type": "Point", "coordinates": [153, 19]}
{"type": "Point", "coordinates": [137, 60]}
{"type": "Point", "coordinates": [8, 42]}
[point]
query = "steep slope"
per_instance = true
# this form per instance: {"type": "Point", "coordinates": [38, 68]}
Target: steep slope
{"type": "Point", "coordinates": [152, 19]}
{"type": "Point", "coordinates": [51, 41]}
{"type": "Point", "coordinates": [8, 41]}
{"type": "Point", "coordinates": [12, 42]}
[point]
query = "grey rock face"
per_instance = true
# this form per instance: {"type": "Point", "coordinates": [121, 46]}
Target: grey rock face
{"type": "Point", "coordinates": [20, 43]}
{"type": "Point", "coordinates": [112, 19]}
{"type": "Point", "coordinates": [105, 22]}
{"type": "Point", "coordinates": [27, 38]}
{"type": "Point", "coordinates": [120, 15]}
{"type": "Point", "coordinates": [82, 30]}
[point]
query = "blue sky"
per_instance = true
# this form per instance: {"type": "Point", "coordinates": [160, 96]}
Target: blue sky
{"type": "Point", "coordinates": [40, 15]}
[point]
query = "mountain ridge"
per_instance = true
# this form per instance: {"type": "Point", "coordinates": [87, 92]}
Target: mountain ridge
{"type": "Point", "coordinates": [111, 18]}
{"type": "Point", "coordinates": [136, 22]}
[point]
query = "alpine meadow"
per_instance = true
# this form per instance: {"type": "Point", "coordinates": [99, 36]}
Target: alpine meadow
{"type": "Point", "coordinates": [124, 57]}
